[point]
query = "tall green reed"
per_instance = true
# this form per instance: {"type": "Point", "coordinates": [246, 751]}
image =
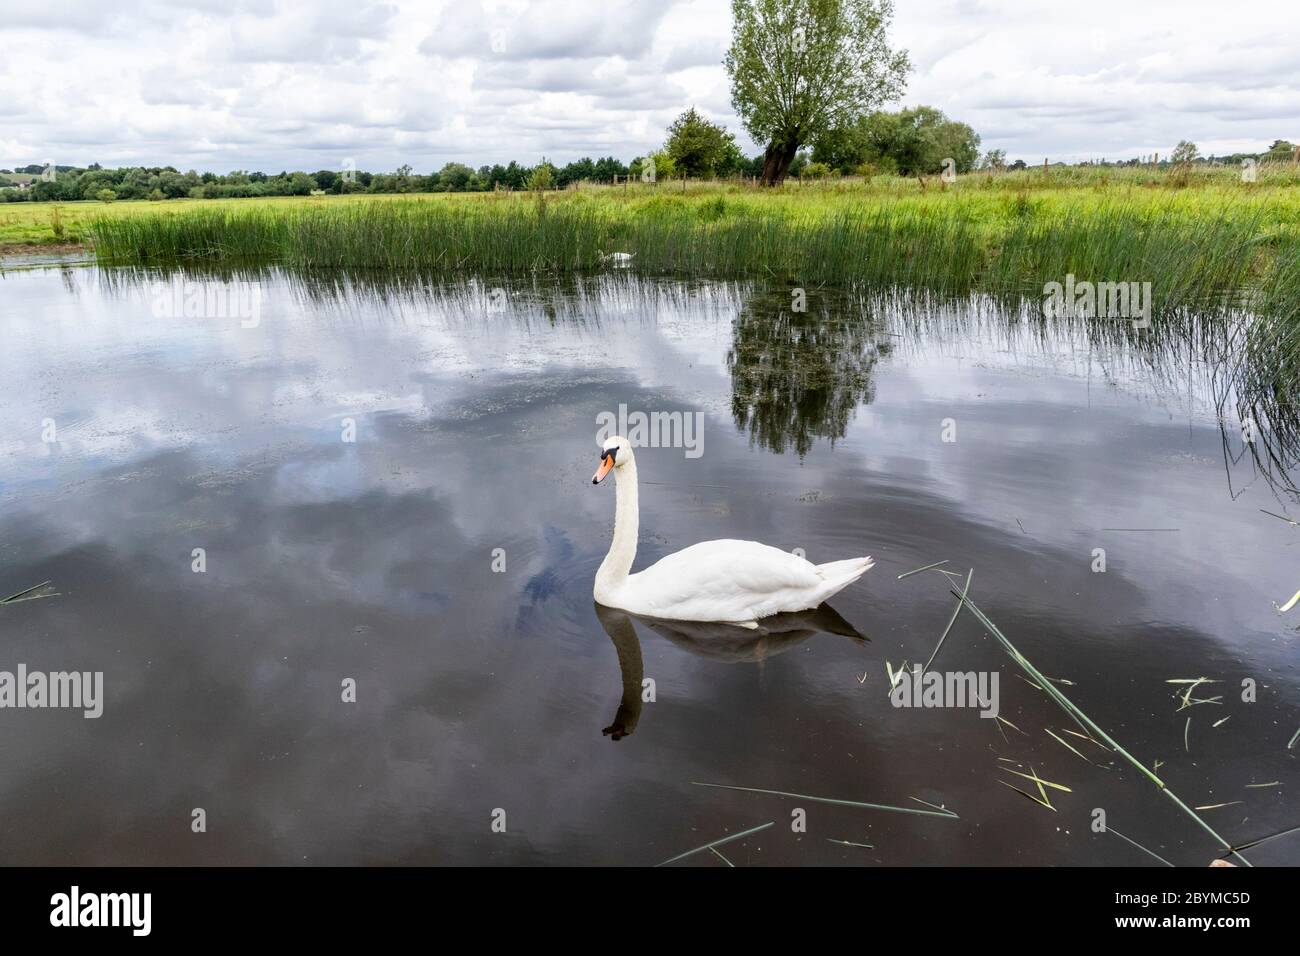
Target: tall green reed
{"type": "Point", "coordinates": [1195, 254]}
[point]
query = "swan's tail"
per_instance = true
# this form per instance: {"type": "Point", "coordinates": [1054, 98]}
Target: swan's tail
{"type": "Point", "coordinates": [840, 574]}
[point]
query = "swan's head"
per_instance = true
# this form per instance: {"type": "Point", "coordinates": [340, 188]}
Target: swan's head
{"type": "Point", "coordinates": [615, 453]}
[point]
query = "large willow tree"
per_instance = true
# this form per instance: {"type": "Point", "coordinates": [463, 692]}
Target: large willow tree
{"type": "Point", "coordinates": [801, 67]}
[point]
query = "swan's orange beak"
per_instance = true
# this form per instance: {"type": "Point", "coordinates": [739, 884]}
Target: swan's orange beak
{"type": "Point", "coordinates": [606, 466]}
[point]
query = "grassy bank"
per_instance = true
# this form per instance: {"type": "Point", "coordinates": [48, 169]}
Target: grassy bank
{"type": "Point", "coordinates": [1010, 234]}
{"type": "Point", "coordinates": [31, 225]}
{"type": "Point", "coordinates": [34, 224]}
{"type": "Point", "coordinates": [1196, 235]}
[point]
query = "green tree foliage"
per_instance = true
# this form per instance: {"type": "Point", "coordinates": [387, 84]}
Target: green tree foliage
{"type": "Point", "coordinates": [1185, 152]}
{"type": "Point", "coordinates": [608, 168]}
{"type": "Point", "coordinates": [909, 142]}
{"type": "Point", "coordinates": [801, 67]}
{"type": "Point", "coordinates": [661, 161]}
{"type": "Point", "coordinates": [699, 148]}
{"type": "Point", "coordinates": [1279, 152]}
{"type": "Point", "coordinates": [581, 170]}
{"type": "Point", "coordinates": [455, 177]}
{"type": "Point", "coordinates": [842, 148]}
{"type": "Point", "coordinates": [542, 177]}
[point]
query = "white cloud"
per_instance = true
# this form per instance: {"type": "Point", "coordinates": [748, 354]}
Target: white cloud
{"type": "Point", "coordinates": [281, 84]}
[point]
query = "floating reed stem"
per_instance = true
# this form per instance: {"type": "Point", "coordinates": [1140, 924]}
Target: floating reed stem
{"type": "Point", "coordinates": [955, 611]}
{"type": "Point", "coordinates": [1079, 716]}
{"type": "Point", "coordinates": [928, 567]}
{"type": "Point", "coordinates": [937, 812]}
{"type": "Point", "coordinates": [1110, 829]}
{"type": "Point", "coordinates": [16, 598]}
{"type": "Point", "coordinates": [1273, 836]}
{"type": "Point", "coordinates": [865, 846]}
{"type": "Point", "coordinates": [717, 843]}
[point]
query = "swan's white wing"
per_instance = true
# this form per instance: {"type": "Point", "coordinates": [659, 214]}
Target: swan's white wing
{"type": "Point", "coordinates": [725, 580]}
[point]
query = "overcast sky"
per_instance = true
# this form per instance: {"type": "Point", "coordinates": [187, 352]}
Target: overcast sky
{"type": "Point", "coordinates": [280, 84]}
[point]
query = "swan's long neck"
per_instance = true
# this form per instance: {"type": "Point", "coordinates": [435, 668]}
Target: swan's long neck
{"type": "Point", "coordinates": [622, 551]}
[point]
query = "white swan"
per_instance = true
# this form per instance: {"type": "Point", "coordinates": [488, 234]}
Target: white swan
{"type": "Point", "coordinates": [737, 582]}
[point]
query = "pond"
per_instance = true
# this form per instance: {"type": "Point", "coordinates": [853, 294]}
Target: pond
{"type": "Point", "coordinates": [331, 544]}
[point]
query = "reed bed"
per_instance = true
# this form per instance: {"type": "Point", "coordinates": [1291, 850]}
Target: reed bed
{"type": "Point", "coordinates": [1198, 249]}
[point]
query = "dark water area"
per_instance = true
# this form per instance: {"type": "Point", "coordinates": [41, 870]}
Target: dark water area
{"type": "Point", "coordinates": [390, 484]}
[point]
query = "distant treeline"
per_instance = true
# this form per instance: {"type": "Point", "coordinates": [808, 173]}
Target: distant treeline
{"type": "Point", "coordinates": [166, 182]}
{"type": "Point", "coordinates": [907, 143]}
{"type": "Point", "coordinates": [67, 183]}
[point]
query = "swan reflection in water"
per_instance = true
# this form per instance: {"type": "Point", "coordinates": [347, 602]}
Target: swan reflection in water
{"type": "Point", "coordinates": [720, 642]}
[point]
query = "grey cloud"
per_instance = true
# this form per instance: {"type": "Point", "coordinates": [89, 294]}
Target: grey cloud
{"type": "Point", "coordinates": [262, 84]}
{"type": "Point", "coordinates": [547, 30]}
{"type": "Point", "coordinates": [320, 33]}
{"type": "Point", "coordinates": [550, 76]}
{"type": "Point", "coordinates": [701, 51]}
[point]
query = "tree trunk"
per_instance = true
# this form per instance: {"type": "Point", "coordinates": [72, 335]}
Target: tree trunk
{"type": "Point", "coordinates": [776, 162]}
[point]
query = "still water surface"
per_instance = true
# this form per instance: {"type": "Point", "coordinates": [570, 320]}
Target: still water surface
{"type": "Point", "coordinates": [477, 689]}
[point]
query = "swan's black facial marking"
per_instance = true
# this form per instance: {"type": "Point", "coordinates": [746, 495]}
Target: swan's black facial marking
{"type": "Point", "coordinates": [606, 465]}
